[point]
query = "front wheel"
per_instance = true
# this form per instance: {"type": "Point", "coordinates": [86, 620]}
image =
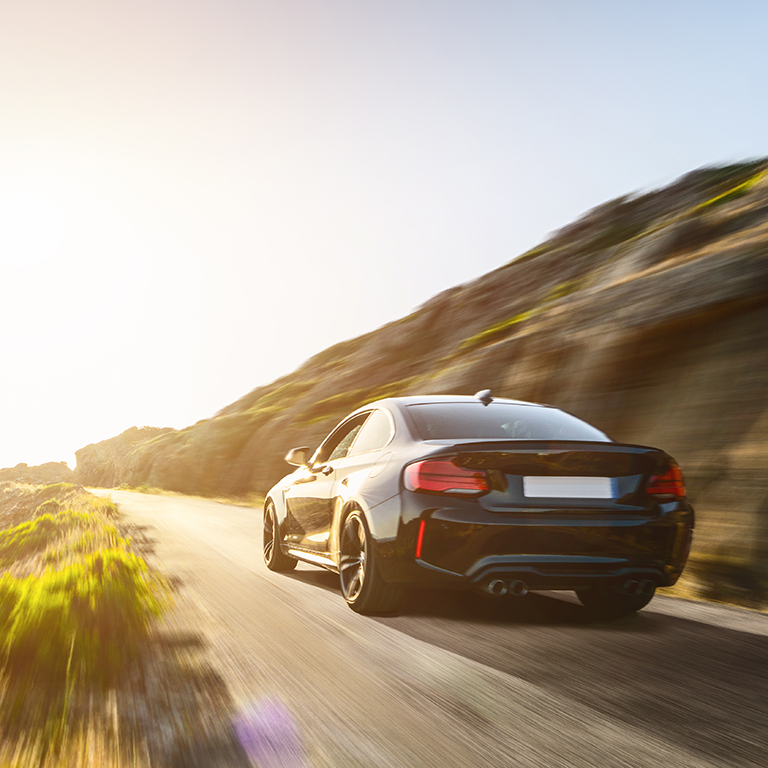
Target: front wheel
{"type": "Point", "coordinates": [274, 557]}
{"type": "Point", "coordinates": [362, 586]}
{"type": "Point", "coordinates": [609, 602]}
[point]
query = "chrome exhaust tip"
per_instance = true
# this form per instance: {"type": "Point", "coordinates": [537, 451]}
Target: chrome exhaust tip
{"type": "Point", "coordinates": [632, 587]}
{"type": "Point", "coordinates": [496, 587]}
{"type": "Point", "coordinates": [647, 587]}
{"type": "Point", "coordinates": [518, 588]}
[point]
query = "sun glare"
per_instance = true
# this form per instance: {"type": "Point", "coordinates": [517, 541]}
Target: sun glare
{"type": "Point", "coordinates": [33, 223]}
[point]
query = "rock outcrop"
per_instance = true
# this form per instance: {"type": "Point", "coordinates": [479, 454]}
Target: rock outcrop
{"type": "Point", "coordinates": [103, 464]}
{"type": "Point", "coordinates": [42, 474]}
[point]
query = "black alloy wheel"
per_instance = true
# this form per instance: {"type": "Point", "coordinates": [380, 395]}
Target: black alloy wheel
{"type": "Point", "coordinates": [362, 586]}
{"type": "Point", "coordinates": [274, 557]}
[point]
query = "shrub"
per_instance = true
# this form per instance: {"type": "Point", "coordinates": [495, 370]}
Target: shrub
{"type": "Point", "coordinates": [496, 332]}
{"type": "Point", "coordinates": [86, 620]}
{"type": "Point", "coordinates": [728, 579]}
{"type": "Point", "coordinates": [532, 253]}
{"type": "Point", "coordinates": [29, 538]}
{"type": "Point", "coordinates": [732, 194]}
{"type": "Point", "coordinates": [70, 629]}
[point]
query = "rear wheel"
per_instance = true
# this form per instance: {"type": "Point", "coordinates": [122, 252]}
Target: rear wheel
{"type": "Point", "coordinates": [362, 586]}
{"type": "Point", "coordinates": [610, 602]}
{"type": "Point", "coordinates": [274, 556]}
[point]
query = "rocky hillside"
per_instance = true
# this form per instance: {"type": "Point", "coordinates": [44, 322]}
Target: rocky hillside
{"type": "Point", "coordinates": [648, 316]}
{"type": "Point", "coordinates": [42, 474]}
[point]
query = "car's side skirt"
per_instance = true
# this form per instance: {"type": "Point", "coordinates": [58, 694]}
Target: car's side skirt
{"type": "Point", "coordinates": [313, 558]}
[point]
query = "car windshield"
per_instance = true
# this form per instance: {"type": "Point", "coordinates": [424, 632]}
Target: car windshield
{"type": "Point", "coordinates": [511, 421]}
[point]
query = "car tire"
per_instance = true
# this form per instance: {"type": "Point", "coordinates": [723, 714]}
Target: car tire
{"type": "Point", "coordinates": [274, 557]}
{"type": "Point", "coordinates": [608, 602]}
{"type": "Point", "coordinates": [361, 584]}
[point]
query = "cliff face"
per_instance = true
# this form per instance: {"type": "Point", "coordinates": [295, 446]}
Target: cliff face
{"type": "Point", "coordinates": [104, 464]}
{"type": "Point", "coordinates": [648, 317]}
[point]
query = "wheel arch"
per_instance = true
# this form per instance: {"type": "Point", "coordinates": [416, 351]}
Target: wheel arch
{"type": "Point", "coordinates": [346, 509]}
{"type": "Point", "coordinates": [278, 502]}
{"type": "Point", "coordinates": [280, 513]}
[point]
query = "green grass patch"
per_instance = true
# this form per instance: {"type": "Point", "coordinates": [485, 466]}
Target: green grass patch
{"type": "Point", "coordinates": [563, 290]}
{"type": "Point", "coordinates": [72, 621]}
{"type": "Point", "coordinates": [81, 680]}
{"type": "Point", "coordinates": [86, 620]}
{"type": "Point", "coordinates": [29, 538]}
{"type": "Point", "coordinates": [496, 332]}
{"type": "Point", "coordinates": [85, 518]}
{"type": "Point", "coordinates": [539, 250]}
{"type": "Point", "coordinates": [732, 194]}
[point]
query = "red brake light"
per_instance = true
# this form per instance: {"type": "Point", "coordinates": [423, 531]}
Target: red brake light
{"type": "Point", "coordinates": [443, 476]}
{"type": "Point", "coordinates": [669, 486]}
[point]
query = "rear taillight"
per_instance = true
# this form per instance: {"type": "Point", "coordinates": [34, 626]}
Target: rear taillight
{"type": "Point", "coordinates": [669, 486]}
{"type": "Point", "coordinates": [443, 476]}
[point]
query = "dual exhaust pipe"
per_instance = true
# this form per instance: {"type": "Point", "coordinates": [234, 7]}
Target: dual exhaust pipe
{"type": "Point", "coordinates": [497, 587]}
{"type": "Point", "coordinates": [644, 587]}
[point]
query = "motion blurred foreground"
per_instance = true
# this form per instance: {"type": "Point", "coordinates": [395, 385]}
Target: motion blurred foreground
{"type": "Point", "coordinates": [82, 681]}
{"type": "Point", "coordinates": [648, 317]}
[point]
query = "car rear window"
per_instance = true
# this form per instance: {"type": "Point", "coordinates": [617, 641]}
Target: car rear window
{"type": "Point", "coordinates": [510, 421]}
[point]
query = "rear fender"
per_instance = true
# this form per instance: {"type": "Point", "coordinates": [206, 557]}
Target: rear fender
{"type": "Point", "coordinates": [343, 511]}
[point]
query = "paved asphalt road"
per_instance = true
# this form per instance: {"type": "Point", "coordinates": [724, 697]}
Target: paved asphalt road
{"type": "Point", "coordinates": [460, 680]}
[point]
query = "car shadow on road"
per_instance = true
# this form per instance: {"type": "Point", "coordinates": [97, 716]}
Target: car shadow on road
{"type": "Point", "coordinates": [317, 577]}
{"type": "Point", "coordinates": [536, 608]}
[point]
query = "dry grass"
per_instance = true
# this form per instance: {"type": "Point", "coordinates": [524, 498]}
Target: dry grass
{"type": "Point", "coordinates": [87, 677]}
{"type": "Point", "coordinates": [730, 580]}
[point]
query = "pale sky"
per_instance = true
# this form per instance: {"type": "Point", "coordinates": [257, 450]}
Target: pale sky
{"type": "Point", "coordinates": [198, 195]}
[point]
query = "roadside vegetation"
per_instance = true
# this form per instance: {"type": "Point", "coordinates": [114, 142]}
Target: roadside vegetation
{"type": "Point", "coordinates": [722, 578]}
{"type": "Point", "coordinates": [81, 682]}
{"type": "Point", "coordinates": [733, 193]}
{"type": "Point", "coordinates": [502, 330]}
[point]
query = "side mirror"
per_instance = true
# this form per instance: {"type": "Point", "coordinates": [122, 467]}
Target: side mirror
{"type": "Point", "coordinates": [298, 457]}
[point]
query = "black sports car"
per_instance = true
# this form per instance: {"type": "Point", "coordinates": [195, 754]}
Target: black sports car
{"type": "Point", "coordinates": [500, 495]}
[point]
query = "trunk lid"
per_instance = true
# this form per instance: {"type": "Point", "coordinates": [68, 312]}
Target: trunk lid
{"type": "Point", "coordinates": [574, 475]}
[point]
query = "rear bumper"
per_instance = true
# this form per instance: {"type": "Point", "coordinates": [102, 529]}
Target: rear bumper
{"type": "Point", "coordinates": [565, 574]}
{"type": "Point", "coordinates": [465, 546]}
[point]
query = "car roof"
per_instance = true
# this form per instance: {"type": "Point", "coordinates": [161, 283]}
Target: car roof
{"type": "Point", "coordinates": [427, 399]}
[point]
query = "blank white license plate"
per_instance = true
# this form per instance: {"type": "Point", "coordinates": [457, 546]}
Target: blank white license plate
{"type": "Point", "coordinates": [568, 487]}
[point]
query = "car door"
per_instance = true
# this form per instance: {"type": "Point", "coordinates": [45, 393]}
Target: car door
{"type": "Point", "coordinates": [310, 498]}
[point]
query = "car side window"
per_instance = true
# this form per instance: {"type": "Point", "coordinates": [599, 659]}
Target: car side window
{"type": "Point", "coordinates": [337, 443]}
{"type": "Point", "coordinates": [374, 435]}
